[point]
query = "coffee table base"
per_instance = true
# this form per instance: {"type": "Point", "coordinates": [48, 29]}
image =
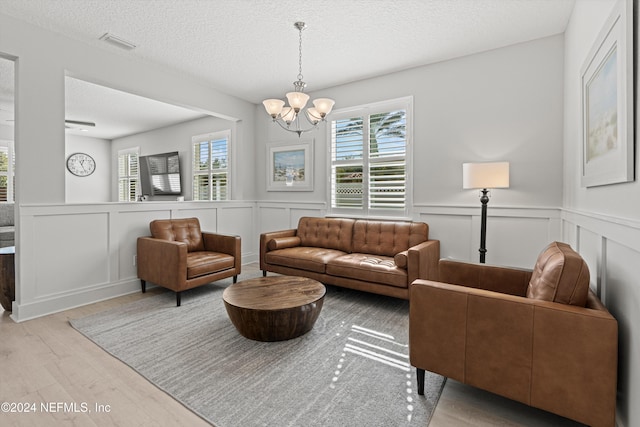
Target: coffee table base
{"type": "Point", "coordinates": [274, 325]}
{"type": "Point", "coordinates": [274, 308]}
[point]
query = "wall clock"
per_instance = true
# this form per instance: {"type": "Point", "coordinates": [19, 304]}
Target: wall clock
{"type": "Point", "coordinates": [81, 164]}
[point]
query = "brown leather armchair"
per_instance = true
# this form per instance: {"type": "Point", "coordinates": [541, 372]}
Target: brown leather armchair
{"type": "Point", "coordinates": [179, 256]}
{"type": "Point", "coordinates": [540, 336]}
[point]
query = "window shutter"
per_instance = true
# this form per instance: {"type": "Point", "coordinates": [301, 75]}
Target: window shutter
{"type": "Point", "coordinates": [369, 159]}
{"type": "Point", "coordinates": [347, 166]}
{"type": "Point", "coordinates": [128, 175]}
{"type": "Point", "coordinates": [4, 174]}
{"type": "Point", "coordinates": [210, 166]}
{"type": "Point", "coordinates": [387, 165]}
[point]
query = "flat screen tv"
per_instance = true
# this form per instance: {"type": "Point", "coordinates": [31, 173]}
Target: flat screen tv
{"type": "Point", "coordinates": [160, 174]}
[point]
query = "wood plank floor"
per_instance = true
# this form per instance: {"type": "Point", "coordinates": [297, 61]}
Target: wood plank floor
{"type": "Point", "coordinates": [47, 362]}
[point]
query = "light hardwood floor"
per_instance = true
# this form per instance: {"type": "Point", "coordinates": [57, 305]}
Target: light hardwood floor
{"type": "Point", "coordinates": [47, 362]}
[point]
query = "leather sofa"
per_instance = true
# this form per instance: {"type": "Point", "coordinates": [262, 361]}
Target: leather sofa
{"type": "Point", "coordinates": [539, 336]}
{"type": "Point", "coordinates": [382, 257]}
{"type": "Point", "coordinates": [179, 256]}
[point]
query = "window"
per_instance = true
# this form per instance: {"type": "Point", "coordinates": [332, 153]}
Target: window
{"type": "Point", "coordinates": [211, 166]}
{"type": "Point", "coordinates": [370, 159]}
{"type": "Point", "coordinates": [128, 175]}
{"type": "Point", "coordinates": [7, 169]}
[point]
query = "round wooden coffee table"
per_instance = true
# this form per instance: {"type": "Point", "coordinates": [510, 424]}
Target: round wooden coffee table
{"type": "Point", "coordinates": [274, 308]}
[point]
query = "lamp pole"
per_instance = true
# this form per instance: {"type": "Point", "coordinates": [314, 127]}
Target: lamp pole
{"type": "Point", "coordinates": [484, 199]}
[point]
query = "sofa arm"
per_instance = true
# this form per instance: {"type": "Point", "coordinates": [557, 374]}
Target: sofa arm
{"type": "Point", "coordinates": [223, 243]}
{"type": "Point", "coordinates": [556, 357]}
{"type": "Point", "coordinates": [442, 332]}
{"type": "Point", "coordinates": [575, 361]}
{"type": "Point", "coordinates": [506, 280]}
{"type": "Point", "coordinates": [422, 261]}
{"type": "Point", "coordinates": [265, 238]}
{"type": "Point", "coordinates": [162, 262]}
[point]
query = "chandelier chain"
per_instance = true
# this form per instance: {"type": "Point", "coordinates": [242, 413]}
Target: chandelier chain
{"type": "Point", "coordinates": [300, 55]}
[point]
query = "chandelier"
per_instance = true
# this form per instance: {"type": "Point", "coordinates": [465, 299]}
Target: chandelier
{"type": "Point", "coordinates": [289, 117]}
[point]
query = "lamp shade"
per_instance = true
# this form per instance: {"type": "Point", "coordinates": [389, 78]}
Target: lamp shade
{"type": "Point", "coordinates": [288, 114]}
{"type": "Point", "coordinates": [313, 115]}
{"type": "Point", "coordinates": [485, 175]}
{"type": "Point", "coordinates": [297, 100]}
{"type": "Point", "coordinates": [273, 106]}
{"type": "Point", "coordinates": [323, 105]}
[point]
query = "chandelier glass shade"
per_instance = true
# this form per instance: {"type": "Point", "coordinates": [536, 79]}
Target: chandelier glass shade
{"type": "Point", "coordinates": [288, 117]}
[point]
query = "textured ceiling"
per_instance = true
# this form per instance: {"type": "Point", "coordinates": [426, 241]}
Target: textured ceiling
{"type": "Point", "coordinates": [249, 48]}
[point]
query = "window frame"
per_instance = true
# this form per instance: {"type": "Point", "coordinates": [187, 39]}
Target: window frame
{"type": "Point", "coordinates": [366, 111]}
{"type": "Point", "coordinates": [210, 172]}
{"type": "Point", "coordinates": [128, 176]}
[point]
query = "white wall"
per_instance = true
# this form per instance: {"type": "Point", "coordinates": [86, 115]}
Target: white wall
{"type": "Point", "coordinates": [6, 132]}
{"type": "Point", "coordinates": [603, 223]}
{"type": "Point", "coordinates": [178, 138]}
{"type": "Point", "coordinates": [95, 187]}
{"type": "Point", "coordinates": [504, 104]}
{"type": "Point", "coordinates": [57, 269]}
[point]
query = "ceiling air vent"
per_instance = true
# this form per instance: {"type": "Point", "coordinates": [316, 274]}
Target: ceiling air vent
{"type": "Point", "coordinates": [117, 41]}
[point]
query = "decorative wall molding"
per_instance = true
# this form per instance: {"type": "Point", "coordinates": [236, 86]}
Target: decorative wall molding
{"type": "Point", "coordinates": [74, 254]}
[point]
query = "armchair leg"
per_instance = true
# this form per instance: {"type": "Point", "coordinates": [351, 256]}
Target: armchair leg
{"type": "Point", "coordinates": [420, 376]}
{"type": "Point", "coordinates": [143, 284]}
{"type": "Point", "coordinates": [235, 278]}
{"type": "Point", "coordinates": [177, 299]}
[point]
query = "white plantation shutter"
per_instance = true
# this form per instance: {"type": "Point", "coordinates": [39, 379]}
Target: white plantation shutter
{"type": "Point", "coordinates": [369, 159]}
{"type": "Point", "coordinates": [347, 151]}
{"type": "Point", "coordinates": [4, 173]}
{"type": "Point", "coordinates": [211, 166]}
{"type": "Point", "coordinates": [128, 176]}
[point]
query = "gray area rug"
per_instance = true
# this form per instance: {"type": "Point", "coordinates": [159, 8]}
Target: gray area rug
{"type": "Point", "coordinates": [352, 369]}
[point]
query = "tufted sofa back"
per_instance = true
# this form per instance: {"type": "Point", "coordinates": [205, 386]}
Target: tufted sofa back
{"type": "Point", "coordinates": [387, 238]}
{"type": "Point", "coordinates": [560, 275]}
{"type": "Point", "coordinates": [186, 230]}
{"type": "Point", "coordinates": [330, 233]}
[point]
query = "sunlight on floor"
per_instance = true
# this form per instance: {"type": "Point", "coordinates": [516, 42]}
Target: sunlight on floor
{"type": "Point", "coordinates": [384, 349]}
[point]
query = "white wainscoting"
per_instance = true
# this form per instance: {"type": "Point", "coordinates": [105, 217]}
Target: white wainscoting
{"type": "Point", "coordinates": [274, 216]}
{"type": "Point", "coordinates": [515, 235]}
{"type": "Point", "coordinates": [611, 247]}
{"type": "Point", "coordinates": [70, 255]}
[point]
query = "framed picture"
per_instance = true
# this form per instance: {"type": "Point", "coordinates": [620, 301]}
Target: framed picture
{"type": "Point", "coordinates": [607, 103]}
{"type": "Point", "coordinates": [290, 166]}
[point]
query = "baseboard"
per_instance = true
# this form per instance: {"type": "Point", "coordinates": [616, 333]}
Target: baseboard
{"type": "Point", "coordinates": [68, 300]}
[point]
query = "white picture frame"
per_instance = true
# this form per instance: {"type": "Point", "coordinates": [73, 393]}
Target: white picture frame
{"type": "Point", "coordinates": [607, 103]}
{"type": "Point", "coordinates": [290, 166]}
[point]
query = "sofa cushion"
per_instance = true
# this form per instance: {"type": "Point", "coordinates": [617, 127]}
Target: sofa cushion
{"type": "Point", "coordinates": [330, 233]}
{"type": "Point", "coordinates": [185, 230]}
{"type": "Point", "coordinates": [386, 237]}
{"type": "Point", "coordinates": [560, 275]}
{"type": "Point", "coordinates": [204, 262]}
{"type": "Point", "coordinates": [368, 268]}
{"type": "Point", "coordinates": [303, 257]}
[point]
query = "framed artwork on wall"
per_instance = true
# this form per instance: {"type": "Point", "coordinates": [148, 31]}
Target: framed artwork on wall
{"type": "Point", "coordinates": [607, 102]}
{"type": "Point", "coordinates": [290, 166]}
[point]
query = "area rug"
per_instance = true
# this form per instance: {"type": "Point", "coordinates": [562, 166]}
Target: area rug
{"type": "Point", "coordinates": [351, 369]}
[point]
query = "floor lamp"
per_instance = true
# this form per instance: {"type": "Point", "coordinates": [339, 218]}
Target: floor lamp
{"type": "Point", "coordinates": [485, 176]}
